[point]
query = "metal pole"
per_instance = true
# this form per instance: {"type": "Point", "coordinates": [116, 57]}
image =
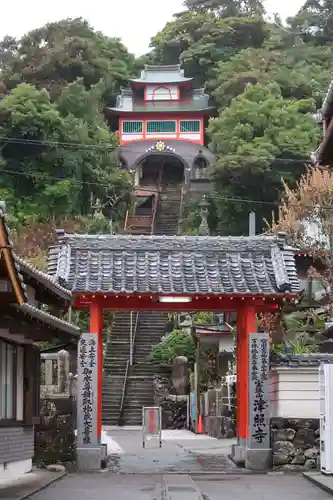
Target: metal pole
{"type": "Point", "coordinates": [131, 339]}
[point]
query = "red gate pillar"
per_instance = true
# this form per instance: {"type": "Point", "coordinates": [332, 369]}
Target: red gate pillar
{"type": "Point", "coordinates": [246, 324]}
{"type": "Point", "coordinates": [96, 326]}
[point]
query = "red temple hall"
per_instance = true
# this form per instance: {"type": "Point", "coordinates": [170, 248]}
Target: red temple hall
{"type": "Point", "coordinates": [162, 104]}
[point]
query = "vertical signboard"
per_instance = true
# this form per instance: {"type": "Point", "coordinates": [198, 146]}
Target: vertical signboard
{"type": "Point", "coordinates": [87, 435]}
{"type": "Point", "coordinates": [259, 428]}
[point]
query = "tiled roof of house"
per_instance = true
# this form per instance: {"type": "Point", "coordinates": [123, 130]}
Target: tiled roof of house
{"type": "Point", "coordinates": [47, 319]}
{"type": "Point", "coordinates": [29, 271]}
{"type": "Point", "coordinates": [24, 269]}
{"type": "Point", "coordinates": [260, 265]}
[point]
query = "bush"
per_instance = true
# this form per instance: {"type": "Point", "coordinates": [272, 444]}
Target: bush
{"type": "Point", "coordinates": [177, 343]}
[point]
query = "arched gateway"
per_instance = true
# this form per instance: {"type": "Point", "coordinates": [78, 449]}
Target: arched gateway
{"type": "Point", "coordinates": [149, 273]}
{"type": "Point", "coordinates": [149, 268]}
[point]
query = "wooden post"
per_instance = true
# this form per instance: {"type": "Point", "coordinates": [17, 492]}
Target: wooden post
{"type": "Point", "coordinates": [96, 326]}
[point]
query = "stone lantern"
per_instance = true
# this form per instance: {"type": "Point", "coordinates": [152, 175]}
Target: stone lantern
{"type": "Point", "coordinates": [204, 228]}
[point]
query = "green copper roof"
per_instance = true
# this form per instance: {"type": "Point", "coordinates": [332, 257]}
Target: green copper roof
{"type": "Point", "coordinates": [161, 74]}
{"type": "Point", "coordinates": [197, 100]}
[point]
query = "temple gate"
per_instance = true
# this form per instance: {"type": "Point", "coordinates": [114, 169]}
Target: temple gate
{"type": "Point", "coordinates": [248, 275]}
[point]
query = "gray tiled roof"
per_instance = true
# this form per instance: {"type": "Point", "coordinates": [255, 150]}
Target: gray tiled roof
{"type": "Point", "coordinates": [197, 100]}
{"type": "Point", "coordinates": [161, 74]}
{"type": "Point", "coordinates": [46, 280]}
{"type": "Point", "coordinates": [174, 264]}
{"type": "Point", "coordinates": [46, 318]}
{"type": "Point", "coordinates": [25, 269]}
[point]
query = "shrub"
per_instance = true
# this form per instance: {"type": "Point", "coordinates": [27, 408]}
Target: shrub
{"type": "Point", "coordinates": [177, 343]}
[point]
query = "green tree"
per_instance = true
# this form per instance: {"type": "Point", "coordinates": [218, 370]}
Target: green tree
{"type": "Point", "coordinates": [259, 139]}
{"type": "Point", "coordinates": [177, 343]}
{"type": "Point", "coordinates": [302, 72]}
{"type": "Point", "coordinates": [61, 52]}
{"type": "Point", "coordinates": [314, 22]}
{"type": "Point", "coordinates": [227, 8]}
{"type": "Point", "coordinates": [200, 41]}
{"type": "Point", "coordinates": [57, 156]}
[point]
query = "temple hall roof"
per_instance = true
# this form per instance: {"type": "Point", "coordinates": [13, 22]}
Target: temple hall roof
{"type": "Point", "coordinates": [195, 101]}
{"type": "Point", "coordinates": [118, 264]}
{"type": "Point", "coordinates": [161, 74]}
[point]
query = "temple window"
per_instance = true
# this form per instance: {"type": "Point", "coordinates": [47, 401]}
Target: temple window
{"type": "Point", "coordinates": [189, 126]}
{"type": "Point", "coordinates": [132, 127]}
{"type": "Point", "coordinates": [161, 127]}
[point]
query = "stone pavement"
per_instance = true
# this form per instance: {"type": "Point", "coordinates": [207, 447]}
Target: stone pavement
{"type": "Point", "coordinates": [104, 486]}
{"type": "Point", "coordinates": [182, 451]}
{"type": "Point", "coordinates": [26, 484]}
{"type": "Point", "coordinates": [272, 486]}
{"type": "Point", "coordinates": [325, 482]}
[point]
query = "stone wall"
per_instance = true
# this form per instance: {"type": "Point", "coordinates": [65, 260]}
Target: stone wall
{"type": "Point", "coordinates": [295, 443]}
{"type": "Point", "coordinates": [55, 435]}
{"type": "Point", "coordinates": [174, 408]}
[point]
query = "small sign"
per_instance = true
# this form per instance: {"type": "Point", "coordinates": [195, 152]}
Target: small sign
{"type": "Point", "coordinates": [87, 436]}
{"type": "Point", "coordinates": [259, 429]}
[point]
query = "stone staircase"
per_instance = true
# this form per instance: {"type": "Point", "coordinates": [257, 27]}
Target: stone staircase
{"type": "Point", "coordinates": [168, 209]}
{"type": "Point", "coordinates": [151, 327]}
{"type": "Point", "coordinates": [114, 365]}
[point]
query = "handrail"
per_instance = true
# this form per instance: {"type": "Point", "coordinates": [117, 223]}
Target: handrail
{"type": "Point", "coordinates": [122, 401]}
{"type": "Point", "coordinates": [125, 225]}
{"type": "Point", "coordinates": [181, 211]}
{"type": "Point", "coordinates": [159, 180]}
{"type": "Point", "coordinates": [134, 332]}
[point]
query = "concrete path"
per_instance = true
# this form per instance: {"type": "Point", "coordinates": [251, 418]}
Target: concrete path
{"type": "Point", "coordinates": [262, 487]}
{"type": "Point", "coordinates": [103, 486]}
{"type": "Point", "coordinates": [25, 485]}
{"type": "Point", "coordinates": [106, 486]}
{"type": "Point", "coordinates": [181, 451]}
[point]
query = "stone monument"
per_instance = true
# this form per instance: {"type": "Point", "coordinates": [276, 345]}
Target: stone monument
{"type": "Point", "coordinates": [88, 447]}
{"type": "Point", "coordinates": [258, 453]}
{"type": "Point", "coordinates": [180, 378]}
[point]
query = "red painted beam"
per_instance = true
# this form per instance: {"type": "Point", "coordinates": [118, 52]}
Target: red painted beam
{"type": "Point", "coordinates": [198, 303]}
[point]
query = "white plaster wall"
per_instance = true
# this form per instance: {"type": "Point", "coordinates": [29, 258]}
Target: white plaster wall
{"type": "Point", "coordinates": [226, 343]}
{"type": "Point", "coordinates": [161, 92]}
{"type": "Point", "coordinates": [294, 392]}
{"type": "Point", "coordinates": [164, 135]}
{"type": "Point", "coordinates": [15, 469]}
{"type": "Point", "coordinates": [190, 136]}
{"type": "Point", "coordinates": [131, 137]}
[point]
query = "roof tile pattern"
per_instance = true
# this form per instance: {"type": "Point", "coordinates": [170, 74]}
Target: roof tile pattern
{"type": "Point", "coordinates": [175, 265]}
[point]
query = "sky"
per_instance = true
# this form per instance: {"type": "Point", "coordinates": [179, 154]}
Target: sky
{"type": "Point", "coordinates": [134, 21]}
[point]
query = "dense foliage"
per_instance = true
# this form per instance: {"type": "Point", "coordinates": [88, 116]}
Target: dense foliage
{"type": "Point", "coordinates": [266, 80]}
{"type": "Point", "coordinates": [177, 343]}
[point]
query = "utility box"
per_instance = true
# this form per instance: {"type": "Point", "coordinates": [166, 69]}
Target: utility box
{"type": "Point", "coordinates": [326, 417]}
